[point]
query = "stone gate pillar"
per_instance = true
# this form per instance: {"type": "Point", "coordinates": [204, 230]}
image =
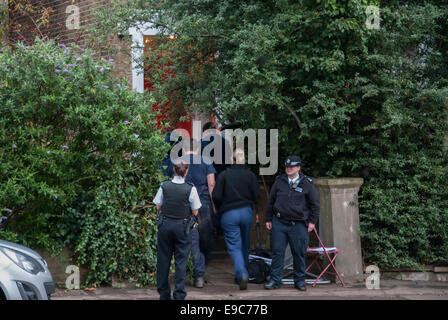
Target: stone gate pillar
{"type": "Point", "coordinates": [339, 223]}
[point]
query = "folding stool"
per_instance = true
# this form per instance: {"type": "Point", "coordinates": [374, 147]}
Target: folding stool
{"type": "Point", "coordinates": [331, 253]}
{"type": "Point", "coordinates": [289, 267]}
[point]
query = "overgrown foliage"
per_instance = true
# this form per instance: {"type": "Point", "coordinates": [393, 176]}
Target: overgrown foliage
{"type": "Point", "coordinates": [351, 100]}
{"type": "Point", "coordinates": [80, 160]}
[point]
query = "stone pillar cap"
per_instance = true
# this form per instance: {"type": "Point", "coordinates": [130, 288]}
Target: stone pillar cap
{"type": "Point", "coordinates": [339, 182]}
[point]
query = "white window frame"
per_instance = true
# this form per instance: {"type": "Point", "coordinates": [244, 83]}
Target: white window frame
{"type": "Point", "coordinates": [138, 34]}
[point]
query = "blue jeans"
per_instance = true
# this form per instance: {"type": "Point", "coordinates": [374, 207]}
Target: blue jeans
{"type": "Point", "coordinates": [236, 225]}
{"type": "Point", "coordinates": [284, 232]}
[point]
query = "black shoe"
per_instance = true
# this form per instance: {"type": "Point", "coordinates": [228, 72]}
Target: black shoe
{"type": "Point", "coordinates": [243, 283]}
{"type": "Point", "coordinates": [300, 287]}
{"type": "Point", "coordinates": [272, 285]}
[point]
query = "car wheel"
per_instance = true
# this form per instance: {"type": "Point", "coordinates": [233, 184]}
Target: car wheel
{"type": "Point", "coordinates": [2, 295]}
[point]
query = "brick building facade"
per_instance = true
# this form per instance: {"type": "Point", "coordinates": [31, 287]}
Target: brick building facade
{"type": "Point", "coordinates": [65, 19]}
{"type": "Point", "coordinates": [66, 22]}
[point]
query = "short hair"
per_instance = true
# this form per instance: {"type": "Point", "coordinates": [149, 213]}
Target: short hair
{"type": "Point", "coordinates": [239, 156]}
{"type": "Point", "coordinates": [190, 145]}
{"type": "Point", "coordinates": [180, 168]}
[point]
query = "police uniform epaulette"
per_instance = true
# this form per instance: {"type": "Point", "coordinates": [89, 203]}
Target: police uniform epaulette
{"type": "Point", "coordinates": [308, 178]}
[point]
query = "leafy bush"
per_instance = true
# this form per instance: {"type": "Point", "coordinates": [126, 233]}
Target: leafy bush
{"type": "Point", "coordinates": [350, 100]}
{"type": "Point", "coordinates": [80, 156]}
{"type": "Point", "coordinates": [383, 116]}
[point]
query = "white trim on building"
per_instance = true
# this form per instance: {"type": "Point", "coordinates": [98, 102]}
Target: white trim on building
{"type": "Point", "coordinates": [138, 33]}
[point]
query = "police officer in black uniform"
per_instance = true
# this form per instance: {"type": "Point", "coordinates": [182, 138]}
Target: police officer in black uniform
{"type": "Point", "coordinates": [176, 202]}
{"type": "Point", "coordinates": [292, 211]}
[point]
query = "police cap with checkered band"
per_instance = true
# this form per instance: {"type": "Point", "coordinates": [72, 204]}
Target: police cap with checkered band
{"type": "Point", "coordinates": [292, 161]}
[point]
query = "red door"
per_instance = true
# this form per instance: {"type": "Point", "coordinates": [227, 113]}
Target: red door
{"type": "Point", "coordinates": [171, 111]}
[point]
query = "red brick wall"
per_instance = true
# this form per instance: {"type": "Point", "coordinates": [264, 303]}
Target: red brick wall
{"type": "Point", "coordinates": [57, 23]}
{"type": "Point", "coordinates": [57, 29]}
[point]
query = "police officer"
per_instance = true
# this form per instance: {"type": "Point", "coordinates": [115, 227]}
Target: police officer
{"type": "Point", "coordinates": [177, 201]}
{"type": "Point", "coordinates": [201, 174]}
{"type": "Point", "coordinates": [292, 211]}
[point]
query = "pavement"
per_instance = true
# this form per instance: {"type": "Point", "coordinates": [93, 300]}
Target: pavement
{"type": "Point", "coordinates": [220, 286]}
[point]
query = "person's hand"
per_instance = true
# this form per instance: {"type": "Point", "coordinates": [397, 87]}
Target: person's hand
{"type": "Point", "coordinates": [269, 225]}
{"type": "Point", "coordinates": [310, 227]}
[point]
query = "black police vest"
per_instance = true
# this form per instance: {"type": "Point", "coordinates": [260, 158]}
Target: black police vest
{"type": "Point", "coordinates": [176, 204]}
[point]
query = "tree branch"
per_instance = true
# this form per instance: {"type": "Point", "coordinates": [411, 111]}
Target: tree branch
{"type": "Point", "coordinates": [299, 123]}
{"type": "Point", "coordinates": [35, 24]}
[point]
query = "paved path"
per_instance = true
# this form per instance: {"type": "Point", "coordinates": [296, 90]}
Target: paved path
{"type": "Point", "coordinates": [220, 286]}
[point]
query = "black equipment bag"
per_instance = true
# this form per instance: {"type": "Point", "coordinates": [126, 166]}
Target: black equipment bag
{"type": "Point", "coordinates": [258, 270]}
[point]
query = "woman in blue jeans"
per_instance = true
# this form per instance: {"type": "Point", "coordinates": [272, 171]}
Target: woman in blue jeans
{"type": "Point", "coordinates": [235, 192]}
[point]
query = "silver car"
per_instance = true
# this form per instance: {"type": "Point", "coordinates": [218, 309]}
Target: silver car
{"type": "Point", "coordinates": [24, 275]}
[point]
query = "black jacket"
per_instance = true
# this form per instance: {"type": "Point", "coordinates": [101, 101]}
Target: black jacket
{"type": "Point", "coordinates": [235, 188]}
{"type": "Point", "coordinates": [299, 204]}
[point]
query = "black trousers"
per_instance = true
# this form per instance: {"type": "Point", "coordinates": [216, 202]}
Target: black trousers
{"type": "Point", "coordinates": [171, 239]}
{"type": "Point", "coordinates": [284, 232]}
{"type": "Point", "coordinates": [202, 239]}
{"type": "Point", "coordinates": [205, 229]}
